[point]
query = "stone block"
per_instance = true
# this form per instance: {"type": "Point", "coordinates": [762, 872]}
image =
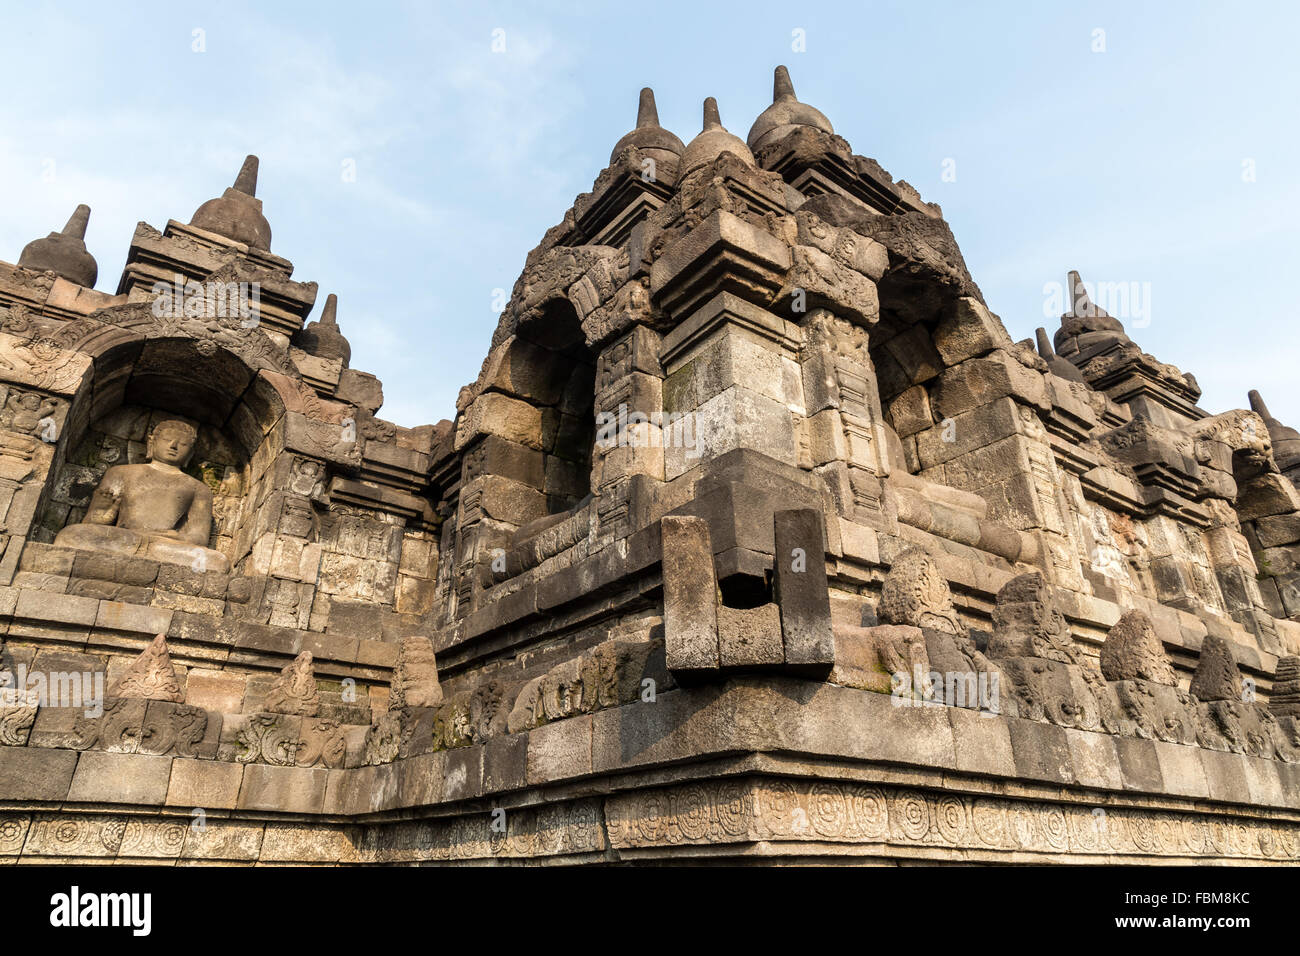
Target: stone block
{"type": "Point", "coordinates": [283, 789]}
{"type": "Point", "coordinates": [982, 744]}
{"type": "Point", "coordinates": [800, 589]}
{"type": "Point", "coordinates": [690, 595]}
{"type": "Point", "coordinates": [205, 784]}
{"type": "Point", "coordinates": [505, 763]}
{"type": "Point", "coordinates": [1181, 769]}
{"type": "Point", "coordinates": [967, 330]}
{"type": "Point", "coordinates": [120, 778]}
{"type": "Point", "coordinates": [749, 637]}
{"type": "Point", "coordinates": [1094, 761]}
{"type": "Point", "coordinates": [35, 773]}
{"type": "Point", "coordinates": [57, 608]}
{"type": "Point", "coordinates": [495, 414]}
{"type": "Point", "coordinates": [559, 750]}
{"type": "Point", "coordinates": [116, 616]}
{"type": "Point", "coordinates": [1042, 751]}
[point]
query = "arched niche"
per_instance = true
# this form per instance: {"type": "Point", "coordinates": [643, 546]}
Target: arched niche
{"type": "Point", "coordinates": [133, 385]}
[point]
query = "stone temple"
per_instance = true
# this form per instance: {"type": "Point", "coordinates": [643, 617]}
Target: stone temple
{"type": "Point", "coordinates": [756, 538]}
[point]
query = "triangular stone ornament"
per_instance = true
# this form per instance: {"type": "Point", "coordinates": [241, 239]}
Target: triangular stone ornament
{"type": "Point", "coordinates": [150, 676]}
{"type": "Point", "coordinates": [1216, 677]}
{"type": "Point", "coordinates": [294, 691]}
{"type": "Point", "coordinates": [1133, 651]}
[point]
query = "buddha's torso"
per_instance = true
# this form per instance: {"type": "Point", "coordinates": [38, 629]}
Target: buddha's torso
{"type": "Point", "coordinates": [151, 498]}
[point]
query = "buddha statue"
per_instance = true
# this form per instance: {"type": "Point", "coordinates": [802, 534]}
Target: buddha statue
{"type": "Point", "coordinates": [152, 510]}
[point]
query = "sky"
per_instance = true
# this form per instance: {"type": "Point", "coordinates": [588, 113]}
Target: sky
{"type": "Point", "coordinates": [1153, 147]}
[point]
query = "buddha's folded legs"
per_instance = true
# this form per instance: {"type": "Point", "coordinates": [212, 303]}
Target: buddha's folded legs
{"type": "Point", "coordinates": [124, 541]}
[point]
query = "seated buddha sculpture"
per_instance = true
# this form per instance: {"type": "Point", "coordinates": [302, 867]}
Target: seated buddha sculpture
{"type": "Point", "coordinates": [152, 510]}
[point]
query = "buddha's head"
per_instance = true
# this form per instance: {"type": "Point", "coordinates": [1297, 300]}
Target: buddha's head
{"type": "Point", "coordinates": [172, 443]}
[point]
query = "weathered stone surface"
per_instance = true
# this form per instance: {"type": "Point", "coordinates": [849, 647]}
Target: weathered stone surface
{"type": "Point", "coordinates": [916, 594]}
{"type": "Point", "coordinates": [1217, 676]}
{"type": "Point", "coordinates": [1133, 651]}
{"type": "Point", "coordinates": [690, 595]}
{"type": "Point", "coordinates": [800, 589]}
{"type": "Point", "coordinates": [294, 691]}
{"type": "Point", "coordinates": [415, 677]}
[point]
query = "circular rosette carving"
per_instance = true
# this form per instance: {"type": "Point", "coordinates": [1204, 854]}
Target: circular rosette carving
{"type": "Point", "coordinates": [990, 821]}
{"type": "Point", "coordinates": [779, 813]}
{"type": "Point", "coordinates": [830, 812]}
{"type": "Point", "coordinates": [654, 821]}
{"type": "Point", "coordinates": [735, 808]}
{"type": "Point", "coordinates": [909, 815]}
{"type": "Point", "coordinates": [952, 821]}
{"type": "Point", "coordinates": [12, 832]}
{"type": "Point", "coordinates": [1088, 829]}
{"type": "Point", "coordinates": [692, 812]}
{"type": "Point", "coordinates": [1056, 832]}
{"type": "Point", "coordinates": [870, 811]}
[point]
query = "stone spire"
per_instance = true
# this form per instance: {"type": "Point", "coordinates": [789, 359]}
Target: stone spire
{"type": "Point", "coordinates": [1059, 366]}
{"type": "Point", "coordinates": [1285, 440]}
{"type": "Point", "coordinates": [150, 676]}
{"type": "Point", "coordinates": [237, 213]}
{"type": "Point", "coordinates": [712, 142]}
{"type": "Point", "coordinates": [1216, 677]}
{"type": "Point", "coordinates": [323, 339]}
{"type": "Point", "coordinates": [649, 137]}
{"type": "Point", "coordinates": [294, 691]}
{"type": "Point", "coordinates": [64, 253]}
{"type": "Point", "coordinates": [784, 114]}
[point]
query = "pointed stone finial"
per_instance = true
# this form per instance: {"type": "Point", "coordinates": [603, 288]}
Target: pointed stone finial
{"type": "Point", "coordinates": [1285, 439]}
{"type": "Point", "coordinates": [77, 222]}
{"type": "Point", "coordinates": [1044, 346]}
{"type": "Point", "coordinates": [246, 181]}
{"type": "Point", "coordinates": [1216, 677]}
{"type": "Point", "coordinates": [415, 676]}
{"type": "Point", "coordinates": [782, 87]}
{"type": "Point", "coordinates": [64, 253]}
{"type": "Point", "coordinates": [294, 691]}
{"type": "Point", "coordinates": [654, 142]}
{"type": "Point", "coordinates": [1133, 651]}
{"type": "Point", "coordinates": [785, 115]}
{"type": "Point", "coordinates": [150, 676]}
{"type": "Point", "coordinates": [711, 118]}
{"type": "Point", "coordinates": [712, 142]}
{"type": "Point", "coordinates": [1064, 368]}
{"type": "Point", "coordinates": [647, 114]}
{"type": "Point", "coordinates": [323, 338]}
{"type": "Point", "coordinates": [1285, 699]}
{"type": "Point", "coordinates": [237, 212]}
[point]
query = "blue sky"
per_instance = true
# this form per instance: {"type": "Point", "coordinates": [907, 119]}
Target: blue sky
{"type": "Point", "coordinates": [1125, 164]}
